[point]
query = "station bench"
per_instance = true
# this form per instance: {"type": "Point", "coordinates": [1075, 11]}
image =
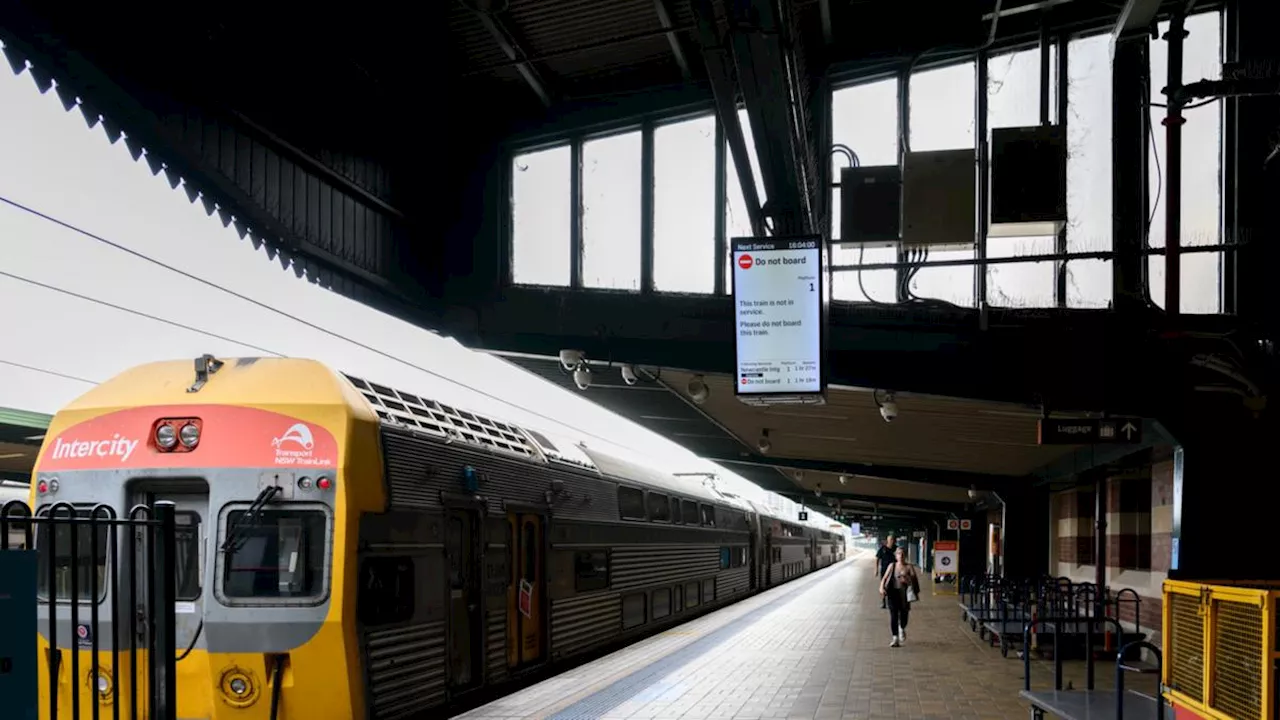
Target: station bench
{"type": "Point", "coordinates": [1091, 704]}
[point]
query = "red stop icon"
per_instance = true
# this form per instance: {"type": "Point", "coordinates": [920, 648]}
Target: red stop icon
{"type": "Point", "coordinates": [744, 261]}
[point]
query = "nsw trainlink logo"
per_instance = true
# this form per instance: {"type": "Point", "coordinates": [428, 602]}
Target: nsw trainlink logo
{"type": "Point", "coordinates": [117, 447]}
{"type": "Point", "coordinates": [296, 446]}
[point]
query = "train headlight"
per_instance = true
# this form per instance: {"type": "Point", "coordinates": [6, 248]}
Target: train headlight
{"type": "Point", "coordinates": [189, 435]}
{"type": "Point", "coordinates": [101, 683]}
{"type": "Point", "coordinates": [239, 686]}
{"type": "Point", "coordinates": [166, 436]}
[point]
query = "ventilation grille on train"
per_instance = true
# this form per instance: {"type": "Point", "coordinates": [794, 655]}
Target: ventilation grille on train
{"type": "Point", "coordinates": [401, 408]}
{"type": "Point", "coordinates": [1237, 659]}
{"type": "Point", "coordinates": [1186, 645]}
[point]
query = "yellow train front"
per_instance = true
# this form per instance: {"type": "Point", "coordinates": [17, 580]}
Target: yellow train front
{"type": "Point", "coordinates": [348, 550]}
{"type": "Point", "coordinates": [271, 599]}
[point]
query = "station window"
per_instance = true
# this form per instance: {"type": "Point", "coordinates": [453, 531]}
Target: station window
{"type": "Point", "coordinates": [659, 508]}
{"type": "Point", "coordinates": [88, 568]}
{"type": "Point", "coordinates": [611, 180]}
{"type": "Point", "coordinates": [689, 509]}
{"type": "Point", "coordinates": [591, 570]}
{"type": "Point", "coordinates": [541, 217]}
{"type": "Point", "coordinates": [684, 205]}
{"type": "Point", "coordinates": [385, 594]}
{"type": "Point", "coordinates": [279, 554]}
{"type": "Point", "coordinates": [709, 515]}
{"type": "Point", "coordinates": [631, 503]}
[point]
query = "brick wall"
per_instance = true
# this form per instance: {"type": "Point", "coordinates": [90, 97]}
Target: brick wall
{"type": "Point", "coordinates": [1139, 527]}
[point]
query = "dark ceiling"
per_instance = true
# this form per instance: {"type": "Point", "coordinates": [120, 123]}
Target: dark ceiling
{"type": "Point", "coordinates": [363, 147]}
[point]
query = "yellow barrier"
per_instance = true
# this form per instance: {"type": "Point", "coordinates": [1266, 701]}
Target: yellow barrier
{"type": "Point", "coordinates": [1220, 649]}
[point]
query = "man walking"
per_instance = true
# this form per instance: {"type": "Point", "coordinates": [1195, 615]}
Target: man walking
{"type": "Point", "coordinates": [884, 558]}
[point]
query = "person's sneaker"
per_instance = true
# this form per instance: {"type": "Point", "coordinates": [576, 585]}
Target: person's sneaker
{"type": "Point", "coordinates": [894, 642]}
{"type": "Point", "coordinates": [902, 637]}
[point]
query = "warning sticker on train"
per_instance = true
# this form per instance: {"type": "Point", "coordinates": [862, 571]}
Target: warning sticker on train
{"type": "Point", "coordinates": [526, 598]}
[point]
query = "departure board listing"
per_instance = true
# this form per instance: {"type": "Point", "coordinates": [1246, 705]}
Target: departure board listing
{"type": "Point", "coordinates": [777, 294]}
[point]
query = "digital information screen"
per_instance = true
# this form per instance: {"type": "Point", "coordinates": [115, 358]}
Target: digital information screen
{"type": "Point", "coordinates": [778, 309]}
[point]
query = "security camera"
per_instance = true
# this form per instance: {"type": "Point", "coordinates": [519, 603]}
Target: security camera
{"type": "Point", "coordinates": [629, 375]}
{"type": "Point", "coordinates": [698, 390]}
{"type": "Point", "coordinates": [889, 409]}
{"type": "Point", "coordinates": [764, 445]}
{"type": "Point", "coordinates": [582, 377]}
{"type": "Point", "coordinates": [974, 494]}
{"type": "Point", "coordinates": [844, 479]}
{"type": "Point", "coordinates": [571, 359]}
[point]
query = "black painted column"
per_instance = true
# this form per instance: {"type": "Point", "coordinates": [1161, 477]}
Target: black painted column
{"type": "Point", "coordinates": [1129, 152]}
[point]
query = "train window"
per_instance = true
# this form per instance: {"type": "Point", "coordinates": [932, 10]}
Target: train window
{"type": "Point", "coordinates": [659, 508]}
{"type": "Point", "coordinates": [189, 570]}
{"type": "Point", "coordinates": [385, 593]}
{"type": "Point", "coordinates": [691, 595]}
{"type": "Point", "coordinates": [708, 590]}
{"type": "Point", "coordinates": [739, 557]}
{"type": "Point", "coordinates": [679, 599]}
{"type": "Point", "coordinates": [530, 547]}
{"type": "Point", "coordinates": [631, 503]}
{"type": "Point", "coordinates": [661, 603]}
{"type": "Point", "coordinates": [634, 610]}
{"type": "Point", "coordinates": [689, 509]}
{"type": "Point", "coordinates": [87, 567]}
{"type": "Point", "coordinates": [591, 570]}
{"type": "Point", "coordinates": [675, 510]}
{"type": "Point", "coordinates": [280, 554]}
{"type": "Point", "coordinates": [724, 558]}
{"type": "Point", "coordinates": [709, 515]}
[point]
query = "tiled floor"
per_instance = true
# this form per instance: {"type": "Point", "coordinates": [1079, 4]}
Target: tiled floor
{"type": "Point", "coordinates": [816, 648]}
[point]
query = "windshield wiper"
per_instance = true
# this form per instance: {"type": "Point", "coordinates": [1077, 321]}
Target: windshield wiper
{"type": "Point", "coordinates": [236, 536]}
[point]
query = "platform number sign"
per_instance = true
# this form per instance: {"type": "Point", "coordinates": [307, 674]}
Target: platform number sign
{"type": "Point", "coordinates": [953, 524]}
{"type": "Point", "coordinates": [966, 524]}
{"type": "Point", "coordinates": [526, 598]}
{"type": "Point", "coordinates": [803, 516]}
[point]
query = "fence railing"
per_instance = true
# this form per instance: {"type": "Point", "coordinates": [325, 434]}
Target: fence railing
{"type": "Point", "coordinates": [102, 590]}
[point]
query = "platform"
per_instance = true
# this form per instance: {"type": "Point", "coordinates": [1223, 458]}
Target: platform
{"type": "Point", "coordinates": [816, 648]}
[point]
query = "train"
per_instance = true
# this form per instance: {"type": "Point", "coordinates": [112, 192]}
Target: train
{"type": "Point", "coordinates": [346, 549]}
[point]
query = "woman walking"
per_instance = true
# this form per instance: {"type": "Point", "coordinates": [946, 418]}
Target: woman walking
{"type": "Point", "coordinates": [900, 586]}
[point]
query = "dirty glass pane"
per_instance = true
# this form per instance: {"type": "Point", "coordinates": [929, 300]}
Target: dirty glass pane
{"type": "Point", "coordinates": [942, 118]}
{"type": "Point", "coordinates": [540, 217]}
{"type": "Point", "coordinates": [865, 118]}
{"type": "Point", "coordinates": [1089, 213]}
{"type": "Point", "coordinates": [1013, 100]}
{"type": "Point", "coordinates": [1201, 169]}
{"type": "Point", "coordinates": [684, 199]}
{"type": "Point", "coordinates": [611, 212]}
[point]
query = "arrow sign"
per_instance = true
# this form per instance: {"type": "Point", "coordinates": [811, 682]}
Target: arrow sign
{"type": "Point", "coordinates": [1090, 431]}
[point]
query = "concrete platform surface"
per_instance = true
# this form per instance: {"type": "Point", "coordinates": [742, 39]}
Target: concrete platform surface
{"type": "Point", "coordinates": [816, 648]}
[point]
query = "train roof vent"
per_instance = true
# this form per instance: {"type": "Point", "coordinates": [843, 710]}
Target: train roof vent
{"type": "Point", "coordinates": [564, 451]}
{"type": "Point", "coordinates": [395, 407]}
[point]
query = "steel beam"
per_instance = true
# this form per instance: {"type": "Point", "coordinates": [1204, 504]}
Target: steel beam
{"type": "Point", "coordinates": [1136, 17]}
{"type": "Point", "coordinates": [881, 502]}
{"type": "Point", "coordinates": [723, 88]}
{"type": "Point", "coordinates": [777, 108]}
{"type": "Point", "coordinates": [507, 43]}
{"type": "Point", "coordinates": [824, 15]}
{"type": "Point", "coordinates": [951, 478]}
{"type": "Point", "coordinates": [673, 37]}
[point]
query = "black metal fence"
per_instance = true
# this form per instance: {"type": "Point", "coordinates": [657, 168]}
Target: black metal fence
{"type": "Point", "coordinates": [93, 566]}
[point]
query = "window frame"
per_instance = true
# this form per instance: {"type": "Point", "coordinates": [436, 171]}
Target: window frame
{"type": "Point", "coordinates": [644, 504]}
{"type": "Point", "coordinates": [608, 569]}
{"type": "Point", "coordinates": [326, 578]}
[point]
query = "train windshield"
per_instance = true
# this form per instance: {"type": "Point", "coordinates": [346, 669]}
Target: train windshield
{"type": "Point", "coordinates": [276, 553]}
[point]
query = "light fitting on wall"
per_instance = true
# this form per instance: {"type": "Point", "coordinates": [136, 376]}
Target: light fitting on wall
{"type": "Point", "coordinates": [763, 444]}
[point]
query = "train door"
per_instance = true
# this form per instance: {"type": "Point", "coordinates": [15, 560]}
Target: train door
{"type": "Point", "coordinates": [191, 510]}
{"type": "Point", "coordinates": [465, 621]}
{"type": "Point", "coordinates": [813, 553]}
{"type": "Point", "coordinates": [525, 637]}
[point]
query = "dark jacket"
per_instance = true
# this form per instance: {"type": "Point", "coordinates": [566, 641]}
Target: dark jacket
{"type": "Point", "coordinates": [884, 557]}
